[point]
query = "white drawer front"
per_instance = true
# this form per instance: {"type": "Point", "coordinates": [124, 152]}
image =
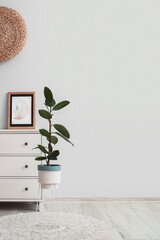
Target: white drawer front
{"type": "Point", "coordinates": [18, 166]}
{"type": "Point", "coordinates": [19, 189]}
{"type": "Point", "coordinates": [19, 143]}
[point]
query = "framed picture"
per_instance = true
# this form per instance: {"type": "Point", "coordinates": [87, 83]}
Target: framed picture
{"type": "Point", "coordinates": [21, 110]}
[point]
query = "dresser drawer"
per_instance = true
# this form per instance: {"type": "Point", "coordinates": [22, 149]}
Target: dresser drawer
{"type": "Point", "coordinates": [18, 166]}
{"type": "Point", "coordinates": [19, 189]}
{"type": "Point", "coordinates": [19, 143]}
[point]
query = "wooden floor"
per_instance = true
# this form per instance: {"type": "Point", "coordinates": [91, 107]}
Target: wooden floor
{"type": "Point", "coordinates": [126, 220]}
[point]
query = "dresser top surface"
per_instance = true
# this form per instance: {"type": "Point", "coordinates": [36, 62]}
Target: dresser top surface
{"type": "Point", "coordinates": [19, 131]}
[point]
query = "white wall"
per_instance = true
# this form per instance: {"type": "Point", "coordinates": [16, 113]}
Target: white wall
{"type": "Point", "coordinates": [102, 55]}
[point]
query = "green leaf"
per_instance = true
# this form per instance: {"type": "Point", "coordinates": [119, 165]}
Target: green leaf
{"type": "Point", "coordinates": [42, 149]}
{"type": "Point", "coordinates": [50, 104]}
{"type": "Point", "coordinates": [48, 94]}
{"type": "Point", "coordinates": [60, 128]}
{"type": "Point", "coordinates": [35, 148]}
{"type": "Point", "coordinates": [45, 114]}
{"type": "Point", "coordinates": [51, 147]}
{"type": "Point", "coordinates": [64, 138]}
{"type": "Point", "coordinates": [54, 139]}
{"type": "Point", "coordinates": [55, 153]}
{"type": "Point", "coordinates": [40, 158]}
{"type": "Point", "coordinates": [52, 157]}
{"type": "Point", "coordinates": [60, 105]}
{"type": "Point", "coordinates": [44, 132]}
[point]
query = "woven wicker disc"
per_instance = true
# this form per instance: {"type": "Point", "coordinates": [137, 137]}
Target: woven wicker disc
{"type": "Point", "coordinates": [13, 33]}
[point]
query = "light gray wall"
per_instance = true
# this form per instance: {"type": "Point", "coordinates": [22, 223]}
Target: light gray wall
{"type": "Point", "coordinates": [104, 56]}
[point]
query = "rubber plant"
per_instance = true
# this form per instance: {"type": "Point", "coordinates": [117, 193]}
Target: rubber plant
{"type": "Point", "coordinates": [54, 131]}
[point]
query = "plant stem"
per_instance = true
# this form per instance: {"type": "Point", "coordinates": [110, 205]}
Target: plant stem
{"type": "Point", "coordinates": [49, 140]}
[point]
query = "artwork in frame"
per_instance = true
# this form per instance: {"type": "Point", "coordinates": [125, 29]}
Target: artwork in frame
{"type": "Point", "coordinates": [21, 110]}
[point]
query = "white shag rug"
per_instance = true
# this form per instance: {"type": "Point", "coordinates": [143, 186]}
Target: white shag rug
{"type": "Point", "coordinates": [51, 226]}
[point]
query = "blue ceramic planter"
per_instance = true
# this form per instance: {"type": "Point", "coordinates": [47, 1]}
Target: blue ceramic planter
{"type": "Point", "coordinates": [53, 167]}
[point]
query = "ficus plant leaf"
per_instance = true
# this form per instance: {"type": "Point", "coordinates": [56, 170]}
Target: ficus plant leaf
{"type": "Point", "coordinates": [40, 158]}
{"type": "Point", "coordinates": [45, 114]}
{"type": "Point", "coordinates": [60, 128]}
{"type": "Point", "coordinates": [48, 94]}
{"type": "Point", "coordinates": [55, 153]}
{"type": "Point", "coordinates": [64, 138]}
{"type": "Point", "coordinates": [42, 148]}
{"type": "Point", "coordinates": [50, 104]}
{"type": "Point", "coordinates": [53, 139]}
{"type": "Point", "coordinates": [52, 157]}
{"type": "Point", "coordinates": [44, 132]}
{"type": "Point", "coordinates": [51, 147]}
{"type": "Point", "coordinates": [35, 148]}
{"type": "Point", "coordinates": [60, 105]}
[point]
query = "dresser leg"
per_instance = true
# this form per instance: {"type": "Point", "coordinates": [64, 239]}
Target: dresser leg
{"type": "Point", "coordinates": [41, 207]}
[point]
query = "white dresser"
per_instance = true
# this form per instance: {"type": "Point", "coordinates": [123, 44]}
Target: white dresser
{"type": "Point", "coordinates": [18, 169]}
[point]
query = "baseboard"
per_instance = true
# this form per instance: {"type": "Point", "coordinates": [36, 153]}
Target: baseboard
{"type": "Point", "coordinates": [110, 199]}
{"type": "Point", "coordinates": [93, 199]}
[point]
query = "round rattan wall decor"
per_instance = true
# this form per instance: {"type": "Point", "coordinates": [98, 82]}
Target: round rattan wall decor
{"type": "Point", "coordinates": [13, 33]}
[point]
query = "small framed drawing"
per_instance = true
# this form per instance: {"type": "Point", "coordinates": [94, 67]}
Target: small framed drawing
{"type": "Point", "coordinates": [21, 110]}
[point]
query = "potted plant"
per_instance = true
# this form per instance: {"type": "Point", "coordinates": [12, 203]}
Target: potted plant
{"type": "Point", "coordinates": [49, 173]}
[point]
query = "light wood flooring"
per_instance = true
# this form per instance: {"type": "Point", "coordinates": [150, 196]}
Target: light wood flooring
{"type": "Point", "coordinates": [127, 220]}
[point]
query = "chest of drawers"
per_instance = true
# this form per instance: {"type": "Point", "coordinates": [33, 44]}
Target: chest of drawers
{"type": "Point", "coordinates": [18, 169]}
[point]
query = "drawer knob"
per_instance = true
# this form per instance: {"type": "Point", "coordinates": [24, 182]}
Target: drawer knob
{"type": "Point", "coordinates": [26, 143]}
{"type": "Point", "coordinates": [26, 189]}
{"type": "Point", "coordinates": [26, 166]}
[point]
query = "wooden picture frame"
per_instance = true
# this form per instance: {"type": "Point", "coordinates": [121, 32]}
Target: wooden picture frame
{"type": "Point", "coordinates": [21, 110]}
